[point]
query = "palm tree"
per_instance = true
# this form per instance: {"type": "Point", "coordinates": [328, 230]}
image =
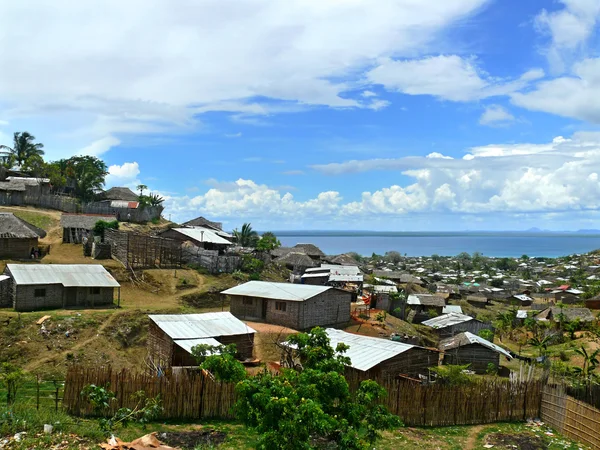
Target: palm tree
{"type": "Point", "coordinates": [155, 199]}
{"type": "Point", "coordinates": [590, 362]}
{"type": "Point", "coordinates": [541, 343]}
{"type": "Point", "coordinates": [24, 147]}
{"type": "Point", "coordinates": [142, 188]}
{"type": "Point", "coordinates": [247, 237]}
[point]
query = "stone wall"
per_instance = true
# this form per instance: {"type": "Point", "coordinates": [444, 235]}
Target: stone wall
{"type": "Point", "coordinates": [330, 308]}
{"type": "Point", "coordinates": [25, 299]}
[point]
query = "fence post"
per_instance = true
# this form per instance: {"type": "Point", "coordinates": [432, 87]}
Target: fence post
{"type": "Point", "coordinates": [37, 394]}
{"type": "Point", "coordinates": [56, 396]}
{"type": "Point", "coordinates": [525, 402]}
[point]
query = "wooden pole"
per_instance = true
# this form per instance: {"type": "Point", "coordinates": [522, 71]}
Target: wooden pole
{"type": "Point", "coordinates": [37, 396]}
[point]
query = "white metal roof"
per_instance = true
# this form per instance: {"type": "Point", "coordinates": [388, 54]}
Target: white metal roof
{"type": "Point", "coordinates": [345, 277]}
{"type": "Point", "coordinates": [187, 344]}
{"type": "Point", "coordinates": [203, 235]}
{"type": "Point", "coordinates": [384, 289]}
{"type": "Point", "coordinates": [474, 339]}
{"type": "Point", "coordinates": [447, 320]}
{"type": "Point", "coordinates": [200, 326]}
{"type": "Point", "coordinates": [316, 275]}
{"type": "Point", "coordinates": [69, 275]}
{"type": "Point", "coordinates": [277, 291]}
{"type": "Point", "coordinates": [452, 309]}
{"type": "Point", "coordinates": [523, 297]}
{"type": "Point", "coordinates": [521, 314]}
{"type": "Point", "coordinates": [366, 352]}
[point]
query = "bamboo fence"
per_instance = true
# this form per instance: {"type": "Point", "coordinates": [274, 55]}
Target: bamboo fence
{"type": "Point", "coordinates": [573, 418]}
{"type": "Point", "coordinates": [198, 396]}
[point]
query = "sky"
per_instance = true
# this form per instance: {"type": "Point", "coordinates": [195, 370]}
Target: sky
{"type": "Point", "coordinates": [321, 114]}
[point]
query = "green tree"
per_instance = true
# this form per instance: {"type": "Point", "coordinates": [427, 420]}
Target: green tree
{"type": "Point", "coordinates": [488, 335]}
{"type": "Point", "coordinates": [541, 343]}
{"type": "Point", "coordinates": [101, 226]}
{"type": "Point", "coordinates": [590, 362]}
{"type": "Point", "coordinates": [88, 174]}
{"type": "Point", "coordinates": [246, 237]}
{"type": "Point", "coordinates": [24, 147]}
{"type": "Point", "coordinates": [393, 257]}
{"type": "Point", "coordinates": [267, 242]}
{"type": "Point", "coordinates": [313, 401]}
{"type": "Point", "coordinates": [220, 361]}
{"type": "Point", "coordinates": [11, 378]}
{"type": "Point", "coordinates": [452, 375]}
{"type": "Point", "coordinates": [142, 188]}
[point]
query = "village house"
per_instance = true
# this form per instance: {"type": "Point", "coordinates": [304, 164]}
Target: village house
{"type": "Point", "coordinates": [76, 227]}
{"type": "Point", "coordinates": [468, 348]}
{"type": "Point", "coordinates": [171, 337]}
{"type": "Point", "coordinates": [204, 223]}
{"type": "Point", "coordinates": [570, 314]}
{"type": "Point", "coordinates": [373, 358]}
{"type": "Point", "coordinates": [343, 277]}
{"type": "Point", "coordinates": [296, 261]}
{"type": "Point", "coordinates": [566, 296]}
{"type": "Point", "coordinates": [17, 237]}
{"type": "Point", "coordinates": [311, 250]}
{"type": "Point", "coordinates": [451, 324]}
{"type": "Point", "coordinates": [296, 306]}
{"type": "Point", "coordinates": [520, 300]}
{"type": "Point", "coordinates": [205, 238]}
{"type": "Point", "coordinates": [421, 307]}
{"type": "Point", "coordinates": [593, 303]}
{"type": "Point", "coordinates": [15, 190]}
{"type": "Point", "coordinates": [381, 296]}
{"type": "Point", "coordinates": [398, 277]}
{"type": "Point", "coordinates": [45, 286]}
{"type": "Point", "coordinates": [122, 194]}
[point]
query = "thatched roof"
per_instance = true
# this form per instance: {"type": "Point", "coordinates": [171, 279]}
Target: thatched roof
{"type": "Point", "coordinates": [296, 259]}
{"type": "Point", "coordinates": [120, 193]}
{"type": "Point", "coordinates": [18, 184]}
{"type": "Point", "coordinates": [552, 313]}
{"type": "Point", "coordinates": [85, 221]}
{"type": "Point", "coordinates": [11, 227]}
{"type": "Point", "coordinates": [281, 251]}
{"type": "Point", "coordinates": [202, 222]}
{"type": "Point", "coordinates": [344, 260]}
{"type": "Point", "coordinates": [309, 249]}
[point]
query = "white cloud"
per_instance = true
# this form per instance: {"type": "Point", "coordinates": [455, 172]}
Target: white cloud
{"type": "Point", "coordinates": [125, 77]}
{"type": "Point", "coordinates": [100, 146]}
{"type": "Point", "coordinates": [448, 77]}
{"type": "Point", "coordinates": [368, 94]}
{"type": "Point", "coordinates": [559, 176]}
{"type": "Point", "coordinates": [569, 29]}
{"type": "Point", "coordinates": [576, 95]}
{"type": "Point", "coordinates": [125, 174]}
{"type": "Point", "coordinates": [496, 115]}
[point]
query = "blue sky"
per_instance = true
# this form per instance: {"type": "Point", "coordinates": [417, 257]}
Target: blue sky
{"type": "Point", "coordinates": [394, 115]}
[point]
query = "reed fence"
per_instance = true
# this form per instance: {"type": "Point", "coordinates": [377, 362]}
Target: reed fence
{"type": "Point", "coordinates": [197, 396]}
{"type": "Point", "coordinates": [572, 417]}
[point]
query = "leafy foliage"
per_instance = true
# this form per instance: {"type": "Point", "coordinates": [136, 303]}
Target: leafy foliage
{"type": "Point", "coordinates": [488, 335]}
{"type": "Point", "coordinates": [452, 375]}
{"type": "Point", "coordinates": [11, 377]}
{"type": "Point", "coordinates": [267, 242]}
{"type": "Point", "coordinates": [220, 361]}
{"type": "Point", "coordinates": [87, 173]}
{"type": "Point", "coordinates": [23, 147]}
{"type": "Point", "coordinates": [102, 225]}
{"type": "Point", "coordinates": [252, 265]}
{"type": "Point", "coordinates": [246, 237]}
{"type": "Point", "coordinates": [314, 402]}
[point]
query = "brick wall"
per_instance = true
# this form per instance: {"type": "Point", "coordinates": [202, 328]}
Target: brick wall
{"type": "Point", "coordinates": [25, 299]}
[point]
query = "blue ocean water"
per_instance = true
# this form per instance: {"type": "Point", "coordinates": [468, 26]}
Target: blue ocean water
{"type": "Point", "coordinates": [506, 244]}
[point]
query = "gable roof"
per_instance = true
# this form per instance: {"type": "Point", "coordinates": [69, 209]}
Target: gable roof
{"type": "Point", "coordinates": [309, 249]}
{"type": "Point", "coordinates": [447, 320]}
{"type": "Point", "coordinates": [552, 313]}
{"type": "Point", "coordinates": [296, 259]}
{"type": "Point", "coordinates": [85, 221]}
{"type": "Point", "coordinates": [203, 235]}
{"type": "Point", "coordinates": [277, 291]}
{"type": "Point", "coordinates": [200, 326]}
{"type": "Point", "coordinates": [468, 338]}
{"type": "Point", "coordinates": [366, 352]}
{"type": "Point", "coordinates": [425, 300]}
{"type": "Point", "coordinates": [12, 227]}
{"type": "Point", "coordinates": [120, 193]}
{"type": "Point", "coordinates": [452, 309]}
{"type": "Point", "coordinates": [203, 222]}
{"type": "Point", "coordinates": [69, 275]}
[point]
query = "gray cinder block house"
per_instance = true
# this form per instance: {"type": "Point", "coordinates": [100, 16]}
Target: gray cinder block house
{"type": "Point", "coordinates": [46, 286]}
{"type": "Point", "coordinates": [296, 306]}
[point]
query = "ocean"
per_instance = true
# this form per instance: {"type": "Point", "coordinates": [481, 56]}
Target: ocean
{"type": "Point", "coordinates": [497, 244]}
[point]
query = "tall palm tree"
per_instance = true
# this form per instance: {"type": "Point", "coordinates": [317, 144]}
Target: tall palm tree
{"type": "Point", "coordinates": [247, 237]}
{"type": "Point", "coordinates": [24, 147]}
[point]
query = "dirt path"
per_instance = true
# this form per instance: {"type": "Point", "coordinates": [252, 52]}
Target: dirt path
{"type": "Point", "coordinates": [471, 442]}
{"type": "Point", "coordinates": [40, 362]}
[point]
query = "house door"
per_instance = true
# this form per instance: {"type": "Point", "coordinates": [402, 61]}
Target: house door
{"type": "Point", "coordinates": [71, 296]}
{"type": "Point", "coordinates": [264, 308]}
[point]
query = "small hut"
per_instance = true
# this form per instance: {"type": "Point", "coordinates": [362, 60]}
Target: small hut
{"type": "Point", "coordinates": [593, 303]}
{"type": "Point", "coordinates": [120, 194]}
{"type": "Point", "coordinates": [311, 250]}
{"type": "Point", "coordinates": [424, 306]}
{"type": "Point", "coordinates": [451, 324]}
{"type": "Point", "coordinates": [17, 237]}
{"type": "Point", "coordinates": [344, 260]}
{"type": "Point", "coordinates": [468, 348]}
{"type": "Point", "coordinates": [204, 223]}
{"type": "Point", "coordinates": [296, 261]}
{"type": "Point", "coordinates": [570, 314]}
{"type": "Point", "coordinates": [171, 337]}
{"type": "Point", "coordinates": [77, 226]}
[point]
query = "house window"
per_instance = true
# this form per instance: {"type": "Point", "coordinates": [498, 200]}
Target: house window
{"type": "Point", "coordinates": [95, 291]}
{"type": "Point", "coordinates": [247, 301]}
{"type": "Point", "coordinates": [280, 306]}
{"type": "Point", "coordinates": [39, 292]}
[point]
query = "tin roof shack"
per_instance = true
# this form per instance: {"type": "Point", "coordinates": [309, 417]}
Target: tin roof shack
{"type": "Point", "coordinates": [424, 306]}
{"type": "Point", "coordinates": [570, 314]}
{"type": "Point", "coordinates": [77, 226]}
{"type": "Point", "coordinates": [172, 336]}
{"type": "Point", "coordinates": [567, 296]}
{"type": "Point", "coordinates": [17, 237]}
{"type": "Point", "coordinates": [381, 296]}
{"type": "Point", "coordinates": [343, 277]}
{"type": "Point", "coordinates": [468, 348]}
{"type": "Point", "coordinates": [398, 277]}
{"type": "Point", "coordinates": [520, 300]}
{"type": "Point", "coordinates": [372, 358]}
{"type": "Point", "coordinates": [205, 238]}
{"type": "Point", "coordinates": [451, 324]}
{"type": "Point", "coordinates": [47, 286]}
{"type": "Point", "coordinates": [593, 303]}
{"type": "Point", "coordinates": [296, 306]}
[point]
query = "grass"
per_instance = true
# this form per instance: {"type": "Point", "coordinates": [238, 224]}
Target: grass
{"type": "Point", "coordinates": [45, 221]}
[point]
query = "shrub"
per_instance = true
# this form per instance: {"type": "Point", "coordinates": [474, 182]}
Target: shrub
{"type": "Point", "coordinates": [452, 375]}
{"type": "Point", "coordinates": [488, 335]}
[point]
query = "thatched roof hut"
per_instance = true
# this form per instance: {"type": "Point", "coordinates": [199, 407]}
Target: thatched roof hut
{"type": "Point", "coordinates": [281, 251]}
{"type": "Point", "coordinates": [120, 193]}
{"type": "Point", "coordinates": [309, 249]}
{"type": "Point", "coordinates": [77, 226]}
{"type": "Point", "coordinates": [12, 227]}
{"type": "Point", "coordinates": [343, 259]}
{"type": "Point", "coordinates": [203, 222]}
{"type": "Point", "coordinates": [571, 314]}
{"type": "Point", "coordinates": [296, 260]}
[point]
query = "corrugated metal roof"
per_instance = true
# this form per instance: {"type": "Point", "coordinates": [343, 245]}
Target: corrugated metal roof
{"type": "Point", "coordinates": [346, 277]}
{"type": "Point", "coordinates": [187, 344]}
{"type": "Point", "coordinates": [425, 300]}
{"type": "Point", "coordinates": [316, 275]}
{"type": "Point", "coordinates": [467, 338]}
{"type": "Point", "coordinates": [200, 326]}
{"type": "Point", "coordinates": [384, 289]}
{"type": "Point", "coordinates": [4, 278]}
{"type": "Point", "coordinates": [447, 320]}
{"type": "Point", "coordinates": [366, 352]}
{"type": "Point", "coordinates": [277, 291]}
{"type": "Point", "coordinates": [523, 297]}
{"type": "Point", "coordinates": [123, 204]}
{"type": "Point", "coordinates": [69, 275]}
{"type": "Point", "coordinates": [203, 235]}
{"type": "Point", "coordinates": [452, 309]}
